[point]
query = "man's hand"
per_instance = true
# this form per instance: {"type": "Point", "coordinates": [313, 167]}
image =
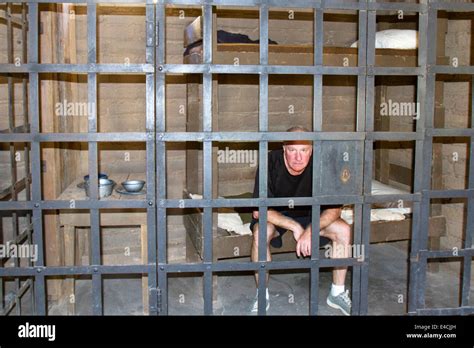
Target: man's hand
{"type": "Point", "coordinates": [298, 231]}
{"type": "Point", "coordinates": [303, 247]}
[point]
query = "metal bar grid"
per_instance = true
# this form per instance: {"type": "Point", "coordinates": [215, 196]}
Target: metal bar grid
{"type": "Point", "coordinates": [175, 268]}
{"type": "Point", "coordinates": [328, 4]}
{"type": "Point", "coordinates": [263, 163]}
{"type": "Point", "coordinates": [207, 158]}
{"type": "Point", "coordinates": [223, 69]}
{"type": "Point", "coordinates": [36, 139]}
{"type": "Point", "coordinates": [422, 163]}
{"type": "Point", "coordinates": [18, 186]}
{"type": "Point", "coordinates": [367, 29]}
{"type": "Point", "coordinates": [160, 126]}
{"type": "Point", "coordinates": [95, 240]}
{"type": "Point", "coordinates": [17, 301]}
{"type": "Point", "coordinates": [468, 242]}
{"type": "Point", "coordinates": [184, 137]}
{"type": "Point", "coordinates": [13, 162]}
{"type": "Point", "coordinates": [318, 35]}
{"type": "Point", "coordinates": [150, 163]}
{"type": "Point", "coordinates": [420, 253]}
{"type": "Point", "coordinates": [17, 129]}
{"type": "Point", "coordinates": [78, 68]}
{"type": "Point", "coordinates": [33, 106]}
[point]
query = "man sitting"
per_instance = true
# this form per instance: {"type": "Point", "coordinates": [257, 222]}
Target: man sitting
{"type": "Point", "coordinates": [290, 174]}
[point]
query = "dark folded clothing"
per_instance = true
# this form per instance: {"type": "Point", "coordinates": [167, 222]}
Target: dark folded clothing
{"type": "Point", "coordinates": [227, 37]}
{"type": "Point", "coordinates": [276, 242]}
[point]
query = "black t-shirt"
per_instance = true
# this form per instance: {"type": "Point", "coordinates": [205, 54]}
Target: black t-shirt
{"type": "Point", "coordinates": [282, 184]}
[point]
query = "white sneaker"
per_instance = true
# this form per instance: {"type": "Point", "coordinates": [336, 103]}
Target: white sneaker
{"type": "Point", "coordinates": [255, 303]}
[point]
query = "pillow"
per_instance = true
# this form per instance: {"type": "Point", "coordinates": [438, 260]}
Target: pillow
{"type": "Point", "coordinates": [404, 39]}
{"type": "Point", "coordinates": [379, 188]}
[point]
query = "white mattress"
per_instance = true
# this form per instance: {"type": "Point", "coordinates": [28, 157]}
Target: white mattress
{"type": "Point", "coordinates": [382, 189]}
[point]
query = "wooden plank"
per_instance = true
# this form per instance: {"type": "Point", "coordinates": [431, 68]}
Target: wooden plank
{"type": "Point", "coordinates": [226, 53]}
{"type": "Point", "coordinates": [434, 243]}
{"type": "Point", "coordinates": [192, 255]}
{"type": "Point", "coordinates": [384, 166]}
{"type": "Point", "coordinates": [308, 49]}
{"type": "Point", "coordinates": [442, 28]}
{"type": "Point", "coordinates": [82, 238]}
{"type": "Point", "coordinates": [117, 217]}
{"type": "Point", "coordinates": [402, 175]}
{"type": "Point", "coordinates": [232, 246]}
{"type": "Point", "coordinates": [382, 154]}
{"type": "Point", "coordinates": [295, 55]}
{"type": "Point", "coordinates": [382, 231]}
{"type": "Point", "coordinates": [193, 225]}
{"type": "Point", "coordinates": [437, 163]}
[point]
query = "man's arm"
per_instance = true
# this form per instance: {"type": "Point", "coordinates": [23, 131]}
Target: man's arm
{"type": "Point", "coordinates": [278, 219]}
{"type": "Point", "coordinates": [303, 247]}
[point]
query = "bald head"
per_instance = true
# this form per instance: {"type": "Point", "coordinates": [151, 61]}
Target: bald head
{"type": "Point", "coordinates": [297, 142]}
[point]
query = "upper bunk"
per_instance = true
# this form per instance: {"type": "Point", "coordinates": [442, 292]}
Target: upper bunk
{"type": "Point", "coordinates": [289, 54]}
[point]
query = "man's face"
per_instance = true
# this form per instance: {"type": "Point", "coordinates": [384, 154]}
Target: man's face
{"type": "Point", "coordinates": [297, 157]}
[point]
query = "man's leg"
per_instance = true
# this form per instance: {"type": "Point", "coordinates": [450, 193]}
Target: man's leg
{"type": "Point", "coordinates": [339, 232]}
{"type": "Point", "coordinates": [271, 233]}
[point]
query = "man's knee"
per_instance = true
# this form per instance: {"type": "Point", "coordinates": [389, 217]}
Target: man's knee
{"type": "Point", "coordinates": [339, 231]}
{"type": "Point", "coordinates": [343, 232]}
{"type": "Point", "coordinates": [270, 232]}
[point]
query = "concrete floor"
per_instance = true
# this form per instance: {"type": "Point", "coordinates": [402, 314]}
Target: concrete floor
{"type": "Point", "coordinates": [288, 291]}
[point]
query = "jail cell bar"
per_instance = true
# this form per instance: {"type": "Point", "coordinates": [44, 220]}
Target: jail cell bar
{"type": "Point", "coordinates": [156, 137]}
{"type": "Point", "coordinates": [17, 184]}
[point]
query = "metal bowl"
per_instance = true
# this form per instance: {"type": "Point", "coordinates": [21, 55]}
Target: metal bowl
{"type": "Point", "coordinates": [105, 187]}
{"type": "Point", "coordinates": [133, 185]}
